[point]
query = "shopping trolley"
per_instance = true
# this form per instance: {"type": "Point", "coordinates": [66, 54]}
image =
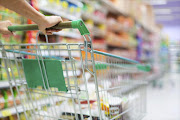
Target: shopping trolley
{"type": "Point", "coordinates": [61, 81]}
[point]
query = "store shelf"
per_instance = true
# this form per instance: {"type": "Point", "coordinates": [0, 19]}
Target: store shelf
{"type": "Point", "coordinates": [146, 37]}
{"type": "Point", "coordinates": [95, 19]}
{"type": "Point", "coordinates": [10, 55]}
{"type": "Point", "coordinates": [119, 44]}
{"type": "Point", "coordinates": [147, 48]}
{"type": "Point", "coordinates": [99, 33]}
{"type": "Point", "coordinates": [118, 28]}
{"type": "Point", "coordinates": [6, 14]}
{"type": "Point", "coordinates": [114, 9]}
{"type": "Point", "coordinates": [68, 34]}
{"type": "Point", "coordinates": [59, 13]}
{"type": "Point", "coordinates": [146, 27]}
{"type": "Point", "coordinates": [5, 84]}
{"type": "Point", "coordinates": [12, 110]}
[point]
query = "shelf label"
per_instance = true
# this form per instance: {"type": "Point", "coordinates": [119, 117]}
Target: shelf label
{"type": "Point", "coordinates": [6, 113]}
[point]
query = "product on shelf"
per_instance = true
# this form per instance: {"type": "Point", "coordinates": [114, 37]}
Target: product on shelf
{"type": "Point", "coordinates": [126, 22]}
{"type": "Point", "coordinates": [13, 67]}
{"type": "Point", "coordinates": [100, 44]}
{"type": "Point", "coordinates": [118, 40]}
{"type": "Point", "coordinates": [6, 97]}
{"type": "Point", "coordinates": [14, 117]}
{"type": "Point", "coordinates": [94, 11]}
{"type": "Point", "coordinates": [66, 8]}
{"type": "Point", "coordinates": [99, 32]}
{"type": "Point", "coordinates": [139, 10]}
{"type": "Point", "coordinates": [2, 101]}
{"type": "Point", "coordinates": [131, 53]}
{"type": "Point", "coordinates": [6, 14]}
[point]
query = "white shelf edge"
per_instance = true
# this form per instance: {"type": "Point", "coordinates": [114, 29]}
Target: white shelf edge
{"type": "Point", "coordinates": [68, 34]}
{"type": "Point", "coordinates": [5, 84]}
{"type": "Point", "coordinates": [59, 13]}
{"type": "Point", "coordinates": [41, 102]}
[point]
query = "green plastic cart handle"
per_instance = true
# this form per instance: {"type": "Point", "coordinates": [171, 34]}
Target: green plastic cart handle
{"type": "Point", "coordinates": [78, 24]}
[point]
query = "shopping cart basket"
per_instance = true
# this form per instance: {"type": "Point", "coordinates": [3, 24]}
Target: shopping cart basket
{"type": "Point", "coordinates": [56, 81]}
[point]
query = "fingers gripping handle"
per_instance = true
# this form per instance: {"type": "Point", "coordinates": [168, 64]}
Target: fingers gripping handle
{"type": "Point", "coordinates": [79, 24]}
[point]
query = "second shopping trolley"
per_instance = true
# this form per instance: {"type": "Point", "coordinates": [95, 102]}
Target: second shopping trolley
{"type": "Point", "coordinates": [56, 81]}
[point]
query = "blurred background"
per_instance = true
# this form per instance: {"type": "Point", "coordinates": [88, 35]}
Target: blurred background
{"type": "Point", "coordinates": [144, 30]}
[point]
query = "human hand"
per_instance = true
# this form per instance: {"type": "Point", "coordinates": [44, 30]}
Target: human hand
{"type": "Point", "coordinates": [4, 27]}
{"type": "Point", "coordinates": [47, 22]}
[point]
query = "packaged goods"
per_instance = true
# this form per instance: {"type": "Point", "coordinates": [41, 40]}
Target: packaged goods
{"type": "Point", "coordinates": [2, 101]}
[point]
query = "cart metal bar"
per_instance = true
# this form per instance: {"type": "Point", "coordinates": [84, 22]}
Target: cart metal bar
{"type": "Point", "coordinates": [114, 56]}
{"type": "Point", "coordinates": [33, 54]}
{"type": "Point", "coordinates": [145, 68]}
{"type": "Point", "coordinates": [95, 51]}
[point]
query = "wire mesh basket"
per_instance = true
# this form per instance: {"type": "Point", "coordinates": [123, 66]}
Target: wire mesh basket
{"type": "Point", "coordinates": [56, 81]}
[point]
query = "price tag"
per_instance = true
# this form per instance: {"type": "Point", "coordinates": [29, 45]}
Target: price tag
{"type": "Point", "coordinates": [6, 113]}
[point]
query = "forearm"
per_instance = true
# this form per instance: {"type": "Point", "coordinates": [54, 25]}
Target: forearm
{"type": "Point", "coordinates": [23, 8]}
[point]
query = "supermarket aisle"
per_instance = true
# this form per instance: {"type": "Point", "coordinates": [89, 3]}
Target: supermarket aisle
{"type": "Point", "coordinates": [164, 103]}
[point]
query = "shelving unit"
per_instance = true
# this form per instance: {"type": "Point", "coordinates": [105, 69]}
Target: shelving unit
{"type": "Point", "coordinates": [96, 19]}
{"type": "Point", "coordinates": [38, 103]}
{"type": "Point", "coordinates": [112, 8]}
{"type": "Point", "coordinates": [5, 84]}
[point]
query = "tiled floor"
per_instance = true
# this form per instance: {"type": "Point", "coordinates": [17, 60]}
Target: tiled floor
{"type": "Point", "coordinates": [163, 101]}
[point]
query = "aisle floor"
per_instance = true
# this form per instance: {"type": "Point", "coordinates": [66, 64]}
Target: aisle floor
{"type": "Point", "coordinates": [163, 101]}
